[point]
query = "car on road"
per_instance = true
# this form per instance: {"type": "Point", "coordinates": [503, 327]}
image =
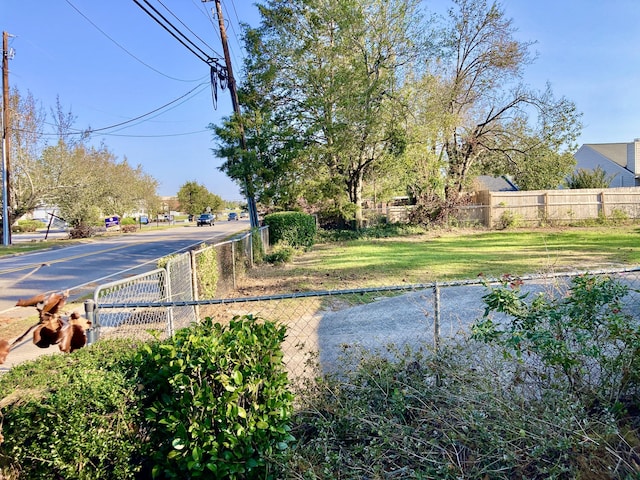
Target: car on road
{"type": "Point", "coordinates": [206, 219]}
{"type": "Point", "coordinates": [244, 214]}
{"type": "Point", "coordinates": [232, 216]}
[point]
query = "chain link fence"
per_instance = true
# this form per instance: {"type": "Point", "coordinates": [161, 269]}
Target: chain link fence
{"type": "Point", "coordinates": [324, 325]}
{"type": "Point", "coordinates": [185, 277]}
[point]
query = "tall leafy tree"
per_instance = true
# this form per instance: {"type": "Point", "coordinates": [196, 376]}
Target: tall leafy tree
{"type": "Point", "coordinates": [333, 70]}
{"type": "Point", "coordinates": [27, 189]}
{"type": "Point", "coordinates": [88, 183]}
{"type": "Point", "coordinates": [495, 118]}
{"type": "Point", "coordinates": [194, 198]}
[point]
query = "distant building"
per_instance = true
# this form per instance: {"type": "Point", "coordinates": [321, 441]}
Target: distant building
{"type": "Point", "coordinates": [618, 160]}
{"type": "Point", "coordinates": [493, 184]}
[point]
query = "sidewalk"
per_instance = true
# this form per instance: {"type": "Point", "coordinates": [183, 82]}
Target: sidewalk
{"type": "Point", "coordinates": [25, 351]}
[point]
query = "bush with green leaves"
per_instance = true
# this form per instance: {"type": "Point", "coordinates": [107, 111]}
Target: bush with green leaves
{"type": "Point", "coordinates": [585, 340]}
{"type": "Point", "coordinates": [72, 416]}
{"type": "Point", "coordinates": [128, 221]}
{"type": "Point", "coordinates": [383, 230]}
{"type": "Point", "coordinates": [207, 270]}
{"type": "Point", "coordinates": [280, 254]}
{"type": "Point", "coordinates": [509, 219]}
{"type": "Point", "coordinates": [587, 178]}
{"type": "Point", "coordinates": [295, 229]}
{"type": "Point", "coordinates": [219, 403]}
{"type": "Point", "coordinates": [27, 226]}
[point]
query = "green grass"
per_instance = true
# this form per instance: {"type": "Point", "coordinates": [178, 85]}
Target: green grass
{"type": "Point", "coordinates": [19, 248]}
{"type": "Point", "coordinates": [461, 255]}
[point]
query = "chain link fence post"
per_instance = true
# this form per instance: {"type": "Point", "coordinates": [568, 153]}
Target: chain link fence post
{"type": "Point", "coordinates": [93, 333]}
{"type": "Point", "coordinates": [436, 316]}
{"type": "Point", "coordinates": [194, 282]}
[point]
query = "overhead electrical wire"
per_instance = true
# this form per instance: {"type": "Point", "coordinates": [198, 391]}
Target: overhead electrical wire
{"type": "Point", "coordinates": [231, 23]}
{"type": "Point", "coordinates": [218, 72]}
{"type": "Point", "coordinates": [90, 131]}
{"type": "Point", "coordinates": [175, 33]}
{"type": "Point", "coordinates": [124, 49]}
{"type": "Point", "coordinates": [156, 136]}
{"type": "Point", "coordinates": [185, 26]}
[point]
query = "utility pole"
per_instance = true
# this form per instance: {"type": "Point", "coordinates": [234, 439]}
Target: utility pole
{"type": "Point", "coordinates": [6, 217]}
{"type": "Point", "coordinates": [248, 182]}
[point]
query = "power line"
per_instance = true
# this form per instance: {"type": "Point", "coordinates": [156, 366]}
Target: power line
{"type": "Point", "coordinates": [92, 130]}
{"type": "Point", "coordinates": [156, 136]}
{"type": "Point", "coordinates": [218, 72]}
{"type": "Point", "coordinates": [123, 48]}
{"type": "Point", "coordinates": [231, 23]}
{"type": "Point", "coordinates": [176, 33]}
{"type": "Point", "coordinates": [184, 25]}
{"type": "Point", "coordinates": [46, 134]}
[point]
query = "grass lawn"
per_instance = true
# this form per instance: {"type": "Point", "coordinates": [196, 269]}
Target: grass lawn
{"type": "Point", "coordinates": [448, 255]}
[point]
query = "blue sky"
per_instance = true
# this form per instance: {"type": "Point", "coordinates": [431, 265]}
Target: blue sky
{"type": "Point", "coordinates": [587, 49]}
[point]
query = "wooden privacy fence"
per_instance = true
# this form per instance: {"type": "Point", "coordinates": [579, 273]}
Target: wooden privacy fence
{"type": "Point", "coordinates": [561, 206]}
{"type": "Point", "coordinates": [493, 209]}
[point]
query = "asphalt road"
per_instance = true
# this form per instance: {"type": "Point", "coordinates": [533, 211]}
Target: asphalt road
{"type": "Point", "coordinates": [81, 267]}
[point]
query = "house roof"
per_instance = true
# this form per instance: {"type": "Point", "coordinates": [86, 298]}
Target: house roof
{"type": "Point", "coordinates": [493, 184]}
{"type": "Point", "coordinates": [616, 152]}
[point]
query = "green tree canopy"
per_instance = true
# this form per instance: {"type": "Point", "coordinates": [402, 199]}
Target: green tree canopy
{"type": "Point", "coordinates": [88, 183]}
{"type": "Point", "coordinates": [587, 178]}
{"type": "Point", "coordinates": [494, 117]}
{"type": "Point", "coordinates": [194, 198]}
{"type": "Point", "coordinates": [320, 96]}
{"type": "Point", "coordinates": [85, 182]}
{"type": "Point", "coordinates": [350, 98]}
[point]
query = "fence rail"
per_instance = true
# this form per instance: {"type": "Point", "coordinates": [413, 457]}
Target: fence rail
{"type": "Point", "coordinates": [534, 207]}
{"type": "Point", "coordinates": [322, 324]}
{"type": "Point", "coordinates": [176, 284]}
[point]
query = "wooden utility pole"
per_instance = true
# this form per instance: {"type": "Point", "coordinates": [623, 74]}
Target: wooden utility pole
{"type": "Point", "coordinates": [6, 214]}
{"type": "Point", "coordinates": [248, 182]}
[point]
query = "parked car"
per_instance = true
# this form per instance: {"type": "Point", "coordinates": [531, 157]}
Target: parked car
{"type": "Point", "coordinates": [244, 214]}
{"type": "Point", "coordinates": [206, 219]}
{"type": "Point", "coordinates": [232, 216]}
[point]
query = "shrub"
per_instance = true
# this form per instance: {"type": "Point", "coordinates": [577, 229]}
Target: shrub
{"type": "Point", "coordinates": [296, 229]}
{"type": "Point", "coordinates": [583, 341]}
{"type": "Point", "coordinates": [207, 270]}
{"type": "Point", "coordinates": [448, 415]}
{"type": "Point", "coordinates": [163, 261]}
{"type": "Point", "coordinates": [385, 230]}
{"type": "Point", "coordinates": [27, 226]}
{"type": "Point", "coordinates": [128, 221]}
{"type": "Point", "coordinates": [72, 416]}
{"type": "Point", "coordinates": [618, 217]}
{"type": "Point", "coordinates": [280, 254]}
{"type": "Point", "coordinates": [219, 402]}
{"type": "Point", "coordinates": [128, 228]}
{"type": "Point", "coordinates": [586, 178]}
{"type": "Point", "coordinates": [509, 219]}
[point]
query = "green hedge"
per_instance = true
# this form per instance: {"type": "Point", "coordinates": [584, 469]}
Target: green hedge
{"type": "Point", "coordinates": [211, 402]}
{"type": "Point", "coordinates": [219, 400]}
{"type": "Point", "coordinates": [295, 229]}
{"type": "Point", "coordinates": [27, 226]}
{"type": "Point", "coordinates": [72, 416]}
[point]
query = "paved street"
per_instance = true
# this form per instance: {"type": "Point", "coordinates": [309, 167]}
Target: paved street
{"type": "Point", "coordinates": [81, 267]}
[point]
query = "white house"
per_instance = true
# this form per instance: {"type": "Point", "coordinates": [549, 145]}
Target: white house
{"type": "Point", "coordinates": [619, 160]}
